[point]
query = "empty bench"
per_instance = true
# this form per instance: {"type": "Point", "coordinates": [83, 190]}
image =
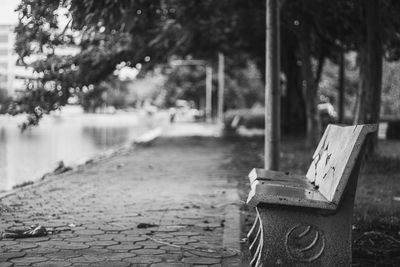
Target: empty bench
{"type": "Point", "coordinates": [307, 220]}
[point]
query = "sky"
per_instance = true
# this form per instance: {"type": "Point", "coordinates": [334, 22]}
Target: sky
{"type": "Point", "coordinates": [7, 13]}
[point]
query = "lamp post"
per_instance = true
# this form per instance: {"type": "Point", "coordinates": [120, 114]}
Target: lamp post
{"type": "Point", "coordinates": [221, 86]}
{"type": "Point", "coordinates": [208, 69]}
{"type": "Point", "coordinates": [272, 87]}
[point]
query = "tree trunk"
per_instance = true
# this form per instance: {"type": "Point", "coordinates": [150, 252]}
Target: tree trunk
{"type": "Point", "coordinates": [310, 88]}
{"type": "Point", "coordinates": [370, 83]}
{"type": "Point", "coordinates": [293, 108]}
{"type": "Point", "coordinates": [341, 86]}
{"type": "Point", "coordinates": [320, 67]}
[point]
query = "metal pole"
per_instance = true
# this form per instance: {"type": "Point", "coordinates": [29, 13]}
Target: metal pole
{"type": "Point", "coordinates": [221, 86]}
{"type": "Point", "coordinates": [272, 87]}
{"type": "Point", "coordinates": [208, 93]}
{"type": "Point", "coordinates": [341, 87]}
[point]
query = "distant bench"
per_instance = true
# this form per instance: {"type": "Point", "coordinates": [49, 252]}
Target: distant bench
{"type": "Point", "coordinates": [307, 220]}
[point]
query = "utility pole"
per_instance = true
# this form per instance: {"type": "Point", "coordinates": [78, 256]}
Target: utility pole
{"type": "Point", "coordinates": [221, 86]}
{"type": "Point", "coordinates": [208, 93]}
{"type": "Point", "coordinates": [272, 87]}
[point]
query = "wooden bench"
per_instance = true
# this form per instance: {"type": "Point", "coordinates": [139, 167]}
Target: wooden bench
{"type": "Point", "coordinates": [307, 220]}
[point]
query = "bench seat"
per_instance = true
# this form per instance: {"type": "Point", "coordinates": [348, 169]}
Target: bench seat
{"type": "Point", "coordinates": [272, 187]}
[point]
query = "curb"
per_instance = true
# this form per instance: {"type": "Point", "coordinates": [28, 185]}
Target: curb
{"type": "Point", "coordinates": [232, 230]}
{"type": "Point", "coordinates": [148, 137]}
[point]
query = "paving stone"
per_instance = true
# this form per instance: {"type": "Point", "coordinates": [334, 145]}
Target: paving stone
{"type": "Point", "coordinates": [87, 259]}
{"type": "Point", "coordinates": [64, 254]}
{"type": "Point", "coordinates": [149, 244]}
{"type": "Point", "coordinates": [94, 251]}
{"type": "Point", "coordinates": [88, 232]}
{"type": "Point", "coordinates": [52, 264]}
{"type": "Point", "coordinates": [143, 260]}
{"type": "Point", "coordinates": [105, 204]}
{"type": "Point", "coordinates": [102, 243]}
{"type": "Point", "coordinates": [71, 246]}
{"type": "Point", "coordinates": [136, 232]}
{"type": "Point", "coordinates": [80, 239]}
{"type": "Point", "coordinates": [117, 256]}
{"type": "Point", "coordinates": [130, 238]}
{"type": "Point", "coordinates": [108, 236]}
{"type": "Point", "coordinates": [170, 249]}
{"type": "Point", "coordinates": [185, 234]}
{"type": "Point", "coordinates": [23, 246]}
{"type": "Point", "coordinates": [110, 264]}
{"type": "Point", "coordinates": [125, 247]}
{"type": "Point", "coordinates": [34, 239]}
{"type": "Point", "coordinates": [28, 260]}
{"type": "Point", "coordinates": [112, 228]}
{"type": "Point", "coordinates": [43, 250]}
{"type": "Point", "coordinates": [168, 229]}
{"type": "Point", "coordinates": [201, 260]}
{"type": "Point", "coordinates": [164, 264]}
{"type": "Point", "coordinates": [5, 243]}
{"type": "Point", "coordinates": [145, 251]}
{"type": "Point", "coordinates": [11, 255]}
{"type": "Point", "coordinates": [163, 235]}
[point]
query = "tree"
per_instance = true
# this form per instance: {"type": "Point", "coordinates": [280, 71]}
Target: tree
{"type": "Point", "coordinates": [144, 33]}
{"type": "Point", "coordinates": [368, 104]}
{"type": "Point", "coordinates": [148, 33]}
{"type": "Point", "coordinates": [379, 38]}
{"type": "Point", "coordinates": [322, 34]}
{"type": "Point", "coordinates": [293, 104]}
{"type": "Point", "coordinates": [300, 20]}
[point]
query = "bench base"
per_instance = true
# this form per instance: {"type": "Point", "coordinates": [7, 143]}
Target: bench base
{"type": "Point", "coordinates": [289, 236]}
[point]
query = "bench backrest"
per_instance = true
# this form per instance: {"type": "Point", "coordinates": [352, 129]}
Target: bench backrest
{"type": "Point", "coordinates": [335, 157]}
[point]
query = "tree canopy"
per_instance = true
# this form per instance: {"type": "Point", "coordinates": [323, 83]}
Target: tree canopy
{"type": "Point", "coordinates": [146, 33]}
{"type": "Point", "coordinates": [141, 33]}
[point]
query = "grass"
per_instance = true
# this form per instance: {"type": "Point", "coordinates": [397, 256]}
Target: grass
{"type": "Point", "coordinates": [376, 228]}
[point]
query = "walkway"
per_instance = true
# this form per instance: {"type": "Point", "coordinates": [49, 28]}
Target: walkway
{"type": "Point", "coordinates": [173, 203]}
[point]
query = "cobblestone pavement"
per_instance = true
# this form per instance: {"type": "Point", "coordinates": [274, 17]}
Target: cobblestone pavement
{"type": "Point", "coordinates": [161, 205]}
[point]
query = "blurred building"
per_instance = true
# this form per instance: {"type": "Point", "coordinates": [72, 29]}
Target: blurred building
{"type": "Point", "coordinates": [12, 76]}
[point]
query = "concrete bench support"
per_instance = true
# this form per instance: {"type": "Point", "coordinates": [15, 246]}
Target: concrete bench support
{"type": "Point", "coordinates": [307, 220]}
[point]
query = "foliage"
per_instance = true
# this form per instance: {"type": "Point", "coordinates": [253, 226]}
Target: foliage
{"type": "Point", "coordinates": [186, 82]}
{"type": "Point", "coordinates": [243, 85]}
{"type": "Point", "coordinates": [138, 32]}
{"type": "Point", "coordinates": [110, 92]}
{"type": "Point", "coordinates": [5, 101]}
{"type": "Point", "coordinates": [147, 33]}
{"type": "Point", "coordinates": [329, 85]}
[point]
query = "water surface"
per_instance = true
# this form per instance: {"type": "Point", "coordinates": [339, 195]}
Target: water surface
{"type": "Point", "coordinates": [72, 137]}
